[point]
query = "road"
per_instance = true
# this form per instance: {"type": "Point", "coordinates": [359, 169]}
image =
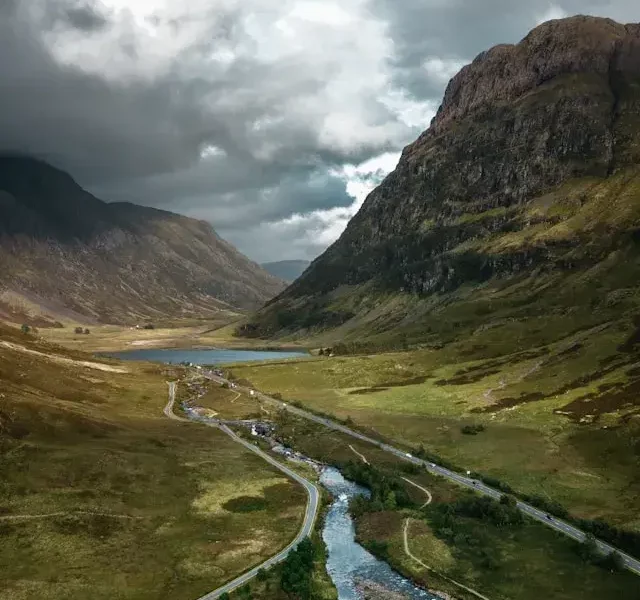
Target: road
{"type": "Point", "coordinates": [310, 515]}
{"type": "Point", "coordinates": [630, 562]}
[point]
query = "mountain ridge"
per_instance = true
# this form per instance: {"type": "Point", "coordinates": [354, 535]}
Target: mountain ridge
{"type": "Point", "coordinates": [118, 263]}
{"type": "Point", "coordinates": [512, 181]}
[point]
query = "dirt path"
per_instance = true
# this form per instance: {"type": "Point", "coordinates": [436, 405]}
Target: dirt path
{"type": "Point", "coordinates": [64, 514]}
{"type": "Point", "coordinates": [237, 396]}
{"type": "Point", "coordinates": [425, 490]}
{"type": "Point", "coordinates": [416, 559]}
{"type": "Point", "coordinates": [63, 360]}
{"type": "Point", "coordinates": [362, 456]}
{"type": "Point", "coordinates": [168, 409]}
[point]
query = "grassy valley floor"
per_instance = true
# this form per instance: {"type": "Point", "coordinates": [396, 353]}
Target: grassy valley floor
{"type": "Point", "coordinates": [559, 421]}
{"type": "Point", "coordinates": [450, 548]}
{"type": "Point", "coordinates": [102, 496]}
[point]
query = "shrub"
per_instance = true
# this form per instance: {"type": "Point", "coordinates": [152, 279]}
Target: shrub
{"type": "Point", "coordinates": [79, 330]}
{"type": "Point", "coordinates": [472, 429]}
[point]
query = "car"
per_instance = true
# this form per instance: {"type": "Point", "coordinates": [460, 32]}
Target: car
{"type": "Point", "coordinates": [474, 483]}
{"type": "Point", "coordinates": [408, 455]}
{"type": "Point", "coordinates": [433, 464]}
{"type": "Point", "coordinates": [284, 404]}
{"type": "Point", "coordinates": [549, 517]}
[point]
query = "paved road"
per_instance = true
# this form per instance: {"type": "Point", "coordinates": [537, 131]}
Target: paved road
{"type": "Point", "coordinates": [630, 562]}
{"type": "Point", "coordinates": [310, 515]}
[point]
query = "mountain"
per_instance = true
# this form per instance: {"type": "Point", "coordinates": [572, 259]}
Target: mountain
{"type": "Point", "coordinates": [287, 270]}
{"type": "Point", "coordinates": [513, 219]}
{"type": "Point", "coordinates": [71, 254]}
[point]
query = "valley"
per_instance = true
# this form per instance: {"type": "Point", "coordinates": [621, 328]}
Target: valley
{"type": "Point", "coordinates": [101, 494]}
{"type": "Point", "coordinates": [444, 404]}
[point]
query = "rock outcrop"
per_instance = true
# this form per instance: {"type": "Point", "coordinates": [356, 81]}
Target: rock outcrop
{"type": "Point", "coordinates": [517, 176]}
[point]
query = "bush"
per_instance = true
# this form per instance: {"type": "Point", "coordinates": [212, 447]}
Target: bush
{"type": "Point", "coordinates": [472, 429]}
{"type": "Point", "coordinates": [87, 332]}
{"type": "Point", "coordinates": [79, 330]}
{"type": "Point", "coordinates": [25, 328]}
{"type": "Point", "coordinates": [149, 326]}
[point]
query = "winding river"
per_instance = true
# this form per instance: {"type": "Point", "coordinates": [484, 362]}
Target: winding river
{"type": "Point", "coordinates": [348, 562]}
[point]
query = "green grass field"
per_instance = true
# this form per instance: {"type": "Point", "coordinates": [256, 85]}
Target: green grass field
{"type": "Point", "coordinates": [102, 496]}
{"type": "Point", "coordinates": [526, 562]}
{"type": "Point", "coordinates": [560, 421]}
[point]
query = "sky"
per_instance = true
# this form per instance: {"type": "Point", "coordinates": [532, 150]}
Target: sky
{"type": "Point", "coordinates": [271, 119]}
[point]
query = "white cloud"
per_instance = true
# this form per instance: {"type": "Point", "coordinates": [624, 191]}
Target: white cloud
{"type": "Point", "coordinates": [553, 12]}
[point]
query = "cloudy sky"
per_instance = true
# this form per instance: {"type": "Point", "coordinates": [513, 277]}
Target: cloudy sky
{"type": "Point", "coordinates": [271, 119]}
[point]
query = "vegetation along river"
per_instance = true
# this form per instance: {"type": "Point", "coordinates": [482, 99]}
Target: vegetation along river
{"type": "Point", "coordinates": [349, 564]}
{"type": "Point", "coordinates": [351, 567]}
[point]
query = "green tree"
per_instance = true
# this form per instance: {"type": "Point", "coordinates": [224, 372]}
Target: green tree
{"type": "Point", "coordinates": [25, 328]}
{"type": "Point", "coordinates": [390, 501]}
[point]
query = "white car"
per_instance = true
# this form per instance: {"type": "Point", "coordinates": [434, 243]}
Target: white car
{"type": "Point", "coordinates": [408, 455]}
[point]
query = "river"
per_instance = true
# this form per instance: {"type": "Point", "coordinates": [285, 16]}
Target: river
{"type": "Point", "coordinates": [213, 356]}
{"type": "Point", "coordinates": [348, 563]}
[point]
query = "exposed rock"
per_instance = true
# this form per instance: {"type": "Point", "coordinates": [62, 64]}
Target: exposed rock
{"type": "Point", "coordinates": [529, 170]}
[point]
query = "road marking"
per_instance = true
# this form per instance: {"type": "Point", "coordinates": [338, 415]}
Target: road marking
{"type": "Point", "coordinates": [426, 491]}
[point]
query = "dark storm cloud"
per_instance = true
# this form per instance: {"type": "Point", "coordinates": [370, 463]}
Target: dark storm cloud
{"type": "Point", "coordinates": [85, 18]}
{"type": "Point", "coordinates": [458, 30]}
{"type": "Point", "coordinates": [240, 112]}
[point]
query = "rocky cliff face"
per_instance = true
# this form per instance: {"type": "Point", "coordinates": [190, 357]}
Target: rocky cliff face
{"type": "Point", "coordinates": [517, 176]}
{"type": "Point", "coordinates": [73, 255]}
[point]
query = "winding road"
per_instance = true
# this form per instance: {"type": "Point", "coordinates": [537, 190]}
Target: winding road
{"type": "Point", "coordinates": [311, 511]}
{"type": "Point", "coordinates": [629, 561]}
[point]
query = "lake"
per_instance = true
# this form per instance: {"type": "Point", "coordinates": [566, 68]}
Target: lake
{"type": "Point", "coordinates": [214, 356]}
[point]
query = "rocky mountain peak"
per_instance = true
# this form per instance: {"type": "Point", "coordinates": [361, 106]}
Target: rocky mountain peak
{"type": "Point", "coordinates": [534, 149]}
{"type": "Point", "coordinates": [508, 71]}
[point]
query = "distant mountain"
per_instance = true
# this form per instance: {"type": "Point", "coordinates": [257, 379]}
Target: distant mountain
{"type": "Point", "coordinates": [288, 270]}
{"type": "Point", "coordinates": [512, 220]}
{"type": "Point", "coordinates": [72, 254]}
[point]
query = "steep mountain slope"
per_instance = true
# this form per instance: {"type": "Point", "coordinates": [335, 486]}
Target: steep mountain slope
{"type": "Point", "coordinates": [288, 270]}
{"type": "Point", "coordinates": [515, 218]}
{"type": "Point", "coordinates": [66, 251]}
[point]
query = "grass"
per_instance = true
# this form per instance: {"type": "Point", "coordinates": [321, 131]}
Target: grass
{"type": "Point", "coordinates": [184, 334]}
{"type": "Point", "coordinates": [527, 562]}
{"type": "Point", "coordinates": [539, 436]}
{"type": "Point", "coordinates": [140, 506]}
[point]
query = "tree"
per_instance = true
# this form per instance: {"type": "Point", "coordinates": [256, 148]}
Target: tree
{"type": "Point", "coordinates": [87, 332]}
{"type": "Point", "coordinates": [79, 330]}
{"type": "Point", "coordinates": [390, 501]}
{"type": "Point", "coordinates": [262, 575]}
{"type": "Point", "coordinates": [224, 596]}
{"type": "Point", "coordinates": [507, 500]}
{"type": "Point", "coordinates": [25, 328]}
